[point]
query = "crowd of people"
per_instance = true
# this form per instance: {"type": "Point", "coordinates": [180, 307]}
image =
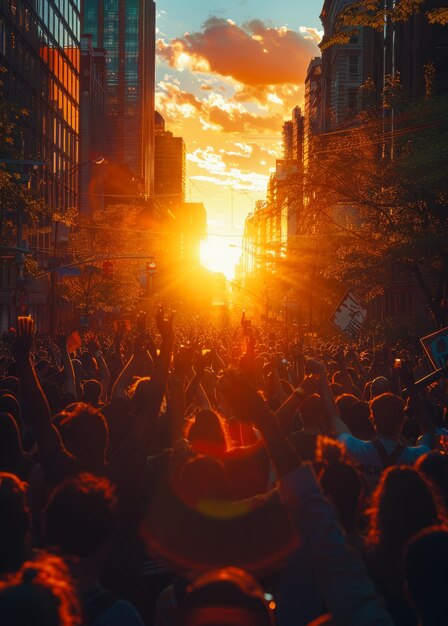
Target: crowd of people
{"type": "Point", "coordinates": [185, 472]}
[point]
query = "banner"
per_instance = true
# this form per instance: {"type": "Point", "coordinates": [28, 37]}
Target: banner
{"type": "Point", "coordinates": [349, 316]}
{"type": "Point", "coordinates": [436, 347]}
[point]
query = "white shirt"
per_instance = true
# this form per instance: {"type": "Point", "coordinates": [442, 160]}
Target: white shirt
{"type": "Point", "coordinates": [364, 453]}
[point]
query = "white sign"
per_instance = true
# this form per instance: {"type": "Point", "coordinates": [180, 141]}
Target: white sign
{"type": "Point", "coordinates": [349, 316]}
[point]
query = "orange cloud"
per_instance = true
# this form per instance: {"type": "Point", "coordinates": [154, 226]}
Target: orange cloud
{"type": "Point", "coordinates": [214, 112]}
{"type": "Point", "coordinates": [222, 170]}
{"type": "Point", "coordinates": [253, 54]}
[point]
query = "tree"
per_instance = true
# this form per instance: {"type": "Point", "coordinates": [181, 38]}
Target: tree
{"type": "Point", "coordinates": [23, 213]}
{"type": "Point", "coordinates": [385, 194]}
{"type": "Point", "coordinates": [109, 234]}
{"type": "Point", "coordinates": [375, 13]}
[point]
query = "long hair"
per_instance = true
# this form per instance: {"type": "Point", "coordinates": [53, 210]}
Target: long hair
{"type": "Point", "coordinates": [40, 593]}
{"type": "Point", "coordinates": [403, 504]}
{"type": "Point", "coordinates": [208, 433]}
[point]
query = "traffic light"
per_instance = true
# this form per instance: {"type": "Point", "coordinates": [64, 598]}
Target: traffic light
{"type": "Point", "coordinates": [151, 266]}
{"type": "Point", "coordinates": [108, 270]}
{"type": "Point", "coordinates": [151, 270]}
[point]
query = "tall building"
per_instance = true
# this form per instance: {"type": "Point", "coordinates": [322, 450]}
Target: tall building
{"type": "Point", "coordinates": [293, 137]}
{"type": "Point", "coordinates": [313, 123]}
{"type": "Point", "coordinates": [126, 30]}
{"type": "Point", "coordinates": [342, 70]}
{"type": "Point", "coordinates": [91, 132]}
{"type": "Point", "coordinates": [169, 166]}
{"type": "Point", "coordinates": [39, 48]}
{"type": "Point", "coordinates": [407, 47]}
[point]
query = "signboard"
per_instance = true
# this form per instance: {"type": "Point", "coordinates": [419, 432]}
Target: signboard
{"type": "Point", "coordinates": [349, 316]}
{"type": "Point", "coordinates": [436, 347]}
{"type": "Point", "coordinates": [73, 341]}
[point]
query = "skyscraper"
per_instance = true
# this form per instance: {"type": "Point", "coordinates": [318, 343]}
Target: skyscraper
{"type": "Point", "coordinates": [91, 132]}
{"type": "Point", "coordinates": [293, 137]}
{"type": "Point", "coordinates": [126, 30]}
{"type": "Point", "coordinates": [169, 166]}
{"type": "Point", "coordinates": [342, 70]}
{"type": "Point", "coordinates": [313, 107]}
{"type": "Point", "coordinates": [39, 48]}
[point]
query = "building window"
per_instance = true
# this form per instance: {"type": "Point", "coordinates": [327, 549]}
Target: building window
{"type": "Point", "coordinates": [353, 66]}
{"type": "Point", "coordinates": [2, 37]}
{"type": "Point", "coordinates": [352, 99]}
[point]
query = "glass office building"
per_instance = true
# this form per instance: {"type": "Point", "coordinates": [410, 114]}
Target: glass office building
{"type": "Point", "coordinates": [40, 50]}
{"type": "Point", "coordinates": [126, 30]}
{"type": "Point", "coordinates": [39, 47]}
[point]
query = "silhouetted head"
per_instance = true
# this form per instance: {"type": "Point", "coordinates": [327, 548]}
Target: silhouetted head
{"type": "Point", "coordinates": [10, 384]}
{"type": "Point", "coordinates": [15, 522]}
{"type": "Point", "coordinates": [9, 404]}
{"type": "Point", "coordinates": [11, 450]}
{"type": "Point", "coordinates": [403, 503]}
{"type": "Point", "coordinates": [40, 594]}
{"type": "Point", "coordinates": [81, 515]}
{"type": "Point", "coordinates": [207, 434]}
{"type": "Point", "coordinates": [226, 596]}
{"type": "Point", "coordinates": [91, 392]}
{"type": "Point", "coordinates": [387, 411]}
{"type": "Point", "coordinates": [311, 411]}
{"type": "Point", "coordinates": [344, 402]}
{"type": "Point", "coordinates": [379, 386]}
{"type": "Point", "coordinates": [426, 574]}
{"type": "Point", "coordinates": [434, 466]}
{"type": "Point", "coordinates": [358, 420]}
{"type": "Point", "coordinates": [340, 480]}
{"type": "Point", "coordinates": [84, 432]}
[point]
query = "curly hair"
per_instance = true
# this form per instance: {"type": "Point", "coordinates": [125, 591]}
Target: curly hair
{"type": "Point", "coordinates": [41, 593]}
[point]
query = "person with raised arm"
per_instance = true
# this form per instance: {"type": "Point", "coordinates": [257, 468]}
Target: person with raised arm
{"type": "Point", "coordinates": [344, 585]}
{"type": "Point", "coordinates": [387, 414]}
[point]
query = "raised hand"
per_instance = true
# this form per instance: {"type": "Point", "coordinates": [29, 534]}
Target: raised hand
{"type": "Point", "coordinates": [60, 339]}
{"type": "Point", "coordinates": [165, 325]}
{"type": "Point", "coordinates": [309, 384]}
{"type": "Point", "coordinates": [183, 361]}
{"type": "Point", "coordinates": [315, 366]}
{"type": "Point", "coordinates": [25, 335]}
{"type": "Point", "coordinates": [406, 374]}
{"type": "Point", "coordinates": [92, 343]}
{"type": "Point", "coordinates": [246, 402]}
{"type": "Point", "coordinates": [141, 322]}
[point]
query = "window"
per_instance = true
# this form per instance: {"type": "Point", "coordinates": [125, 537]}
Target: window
{"type": "Point", "coordinates": [353, 66]}
{"type": "Point", "coordinates": [2, 37]}
{"type": "Point", "coordinates": [352, 99]}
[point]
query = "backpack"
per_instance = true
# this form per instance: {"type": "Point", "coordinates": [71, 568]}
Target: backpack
{"type": "Point", "coordinates": [388, 459]}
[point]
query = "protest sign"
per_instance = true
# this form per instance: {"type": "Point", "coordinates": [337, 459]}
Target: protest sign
{"type": "Point", "coordinates": [349, 316]}
{"type": "Point", "coordinates": [436, 347]}
{"type": "Point", "coordinates": [73, 341]}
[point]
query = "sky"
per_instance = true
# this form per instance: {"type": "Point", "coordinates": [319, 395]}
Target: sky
{"type": "Point", "coordinates": [229, 73]}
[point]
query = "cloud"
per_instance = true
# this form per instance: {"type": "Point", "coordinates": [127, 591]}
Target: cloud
{"type": "Point", "coordinates": [253, 54]}
{"type": "Point", "coordinates": [267, 96]}
{"type": "Point", "coordinates": [214, 112]}
{"type": "Point", "coordinates": [241, 168]}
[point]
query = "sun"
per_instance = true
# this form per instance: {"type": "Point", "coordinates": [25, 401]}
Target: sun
{"type": "Point", "coordinates": [220, 254]}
